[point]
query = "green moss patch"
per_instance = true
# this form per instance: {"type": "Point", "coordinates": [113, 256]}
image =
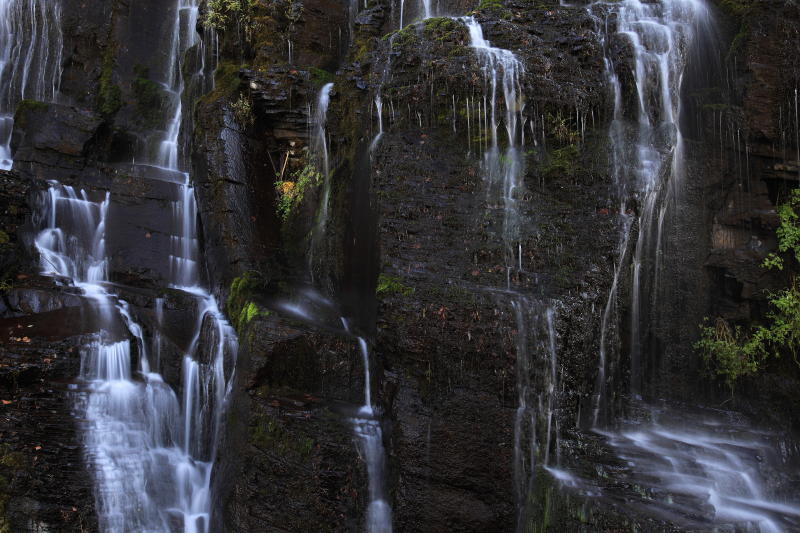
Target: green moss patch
{"type": "Point", "coordinates": [240, 307]}
{"type": "Point", "coordinates": [388, 285]}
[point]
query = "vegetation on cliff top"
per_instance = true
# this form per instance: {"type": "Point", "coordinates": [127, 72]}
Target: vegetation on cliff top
{"type": "Point", "coordinates": [735, 352]}
{"type": "Point", "coordinates": [220, 13]}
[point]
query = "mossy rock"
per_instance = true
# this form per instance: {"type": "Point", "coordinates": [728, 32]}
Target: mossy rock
{"type": "Point", "coordinates": [149, 97]}
{"type": "Point", "coordinates": [320, 77]}
{"type": "Point", "coordinates": [240, 305]}
{"type": "Point", "coordinates": [226, 81]}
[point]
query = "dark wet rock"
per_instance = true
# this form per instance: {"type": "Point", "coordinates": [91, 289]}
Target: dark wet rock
{"type": "Point", "coordinates": [45, 484]}
{"type": "Point", "coordinates": [52, 135]}
{"type": "Point", "coordinates": [295, 465]}
{"type": "Point", "coordinates": [14, 212]}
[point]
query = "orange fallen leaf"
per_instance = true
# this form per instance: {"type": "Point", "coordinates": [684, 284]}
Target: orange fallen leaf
{"type": "Point", "coordinates": [6, 402]}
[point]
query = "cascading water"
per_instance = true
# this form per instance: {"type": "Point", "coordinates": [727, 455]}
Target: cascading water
{"type": "Point", "coordinates": [502, 71]}
{"type": "Point", "coordinates": [145, 477]}
{"type": "Point", "coordinates": [648, 171]}
{"type": "Point", "coordinates": [30, 60]}
{"type": "Point", "coordinates": [716, 461]}
{"type": "Point", "coordinates": [151, 453]}
{"type": "Point", "coordinates": [690, 467]}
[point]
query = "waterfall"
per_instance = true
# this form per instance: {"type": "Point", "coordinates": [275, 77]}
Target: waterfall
{"type": "Point", "coordinates": [700, 467]}
{"type": "Point", "coordinates": [648, 171]}
{"type": "Point", "coordinates": [367, 428]}
{"type": "Point", "coordinates": [321, 154]}
{"type": "Point", "coordinates": [149, 474]}
{"type": "Point", "coordinates": [151, 452]}
{"type": "Point", "coordinates": [30, 60]}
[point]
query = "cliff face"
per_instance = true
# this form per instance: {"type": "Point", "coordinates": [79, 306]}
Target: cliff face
{"type": "Point", "coordinates": [412, 253]}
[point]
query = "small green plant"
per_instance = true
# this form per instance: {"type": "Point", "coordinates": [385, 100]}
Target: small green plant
{"type": "Point", "coordinates": [391, 285]}
{"type": "Point", "coordinates": [239, 306]}
{"type": "Point", "coordinates": [320, 76]}
{"type": "Point", "coordinates": [562, 162]}
{"type": "Point", "coordinates": [243, 110]}
{"type": "Point", "coordinates": [561, 128]}
{"type": "Point", "coordinates": [734, 352]}
{"type": "Point", "coordinates": [109, 96]}
{"type": "Point", "coordinates": [736, 7]}
{"type": "Point", "coordinates": [291, 191]}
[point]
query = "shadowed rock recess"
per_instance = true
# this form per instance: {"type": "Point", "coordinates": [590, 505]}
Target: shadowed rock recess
{"type": "Point", "coordinates": [394, 265]}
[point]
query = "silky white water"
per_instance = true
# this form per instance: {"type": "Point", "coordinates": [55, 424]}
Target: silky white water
{"type": "Point", "coordinates": [503, 172]}
{"type": "Point", "coordinates": [151, 452]}
{"type": "Point", "coordinates": [535, 430]}
{"type": "Point", "coordinates": [650, 169]}
{"type": "Point", "coordinates": [706, 469]}
{"type": "Point", "coordinates": [319, 147]}
{"type": "Point", "coordinates": [702, 469]}
{"type": "Point", "coordinates": [130, 416]}
{"type": "Point", "coordinates": [30, 60]}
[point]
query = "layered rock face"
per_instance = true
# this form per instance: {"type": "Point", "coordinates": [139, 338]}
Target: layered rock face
{"type": "Point", "coordinates": [412, 256]}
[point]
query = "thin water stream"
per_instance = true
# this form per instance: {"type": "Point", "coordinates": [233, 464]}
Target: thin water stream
{"type": "Point", "coordinates": [535, 427]}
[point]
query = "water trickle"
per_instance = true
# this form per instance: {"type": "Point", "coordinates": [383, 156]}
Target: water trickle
{"type": "Point", "coordinates": [535, 338]}
{"type": "Point", "coordinates": [320, 148]}
{"type": "Point", "coordinates": [504, 173]}
{"type": "Point", "coordinates": [535, 434]}
{"type": "Point", "coordinates": [379, 113]}
{"type": "Point", "coordinates": [30, 60]}
{"type": "Point", "coordinates": [367, 428]}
